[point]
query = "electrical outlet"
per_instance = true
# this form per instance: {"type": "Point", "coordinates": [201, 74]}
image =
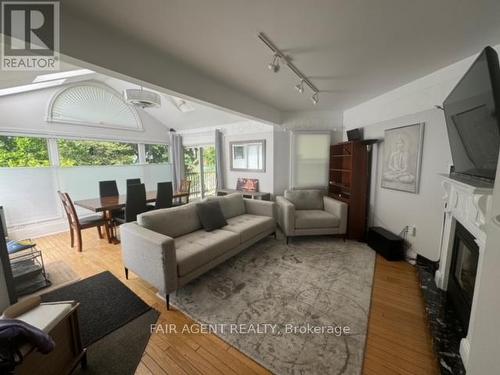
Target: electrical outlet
{"type": "Point", "coordinates": [412, 230]}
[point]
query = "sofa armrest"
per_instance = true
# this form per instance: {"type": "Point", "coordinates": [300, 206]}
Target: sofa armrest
{"type": "Point", "coordinates": [260, 207]}
{"type": "Point", "coordinates": [339, 209]}
{"type": "Point", "coordinates": [150, 255]}
{"type": "Point", "coordinates": [286, 215]}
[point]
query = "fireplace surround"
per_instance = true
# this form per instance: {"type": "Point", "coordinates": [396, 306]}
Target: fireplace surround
{"type": "Point", "coordinates": [466, 204]}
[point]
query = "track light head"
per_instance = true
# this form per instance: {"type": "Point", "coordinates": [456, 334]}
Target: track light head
{"type": "Point", "coordinates": [300, 87]}
{"type": "Point", "coordinates": [275, 65]}
{"type": "Point", "coordinates": [315, 98]}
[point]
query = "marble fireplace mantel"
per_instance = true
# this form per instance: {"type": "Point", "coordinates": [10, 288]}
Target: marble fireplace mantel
{"type": "Point", "coordinates": [469, 204]}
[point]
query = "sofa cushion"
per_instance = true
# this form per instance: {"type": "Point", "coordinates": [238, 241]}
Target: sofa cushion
{"type": "Point", "coordinates": [195, 249]}
{"type": "Point", "coordinates": [232, 204]}
{"type": "Point", "coordinates": [248, 226]}
{"type": "Point", "coordinates": [210, 215]}
{"type": "Point", "coordinates": [306, 199]}
{"type": "Point", "coordinates": [306, 219]}
{"type": "Point", "coordinates": [172, 222]}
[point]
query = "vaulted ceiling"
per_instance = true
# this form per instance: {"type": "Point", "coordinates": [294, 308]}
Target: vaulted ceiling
{"type": "Point", "coordinates": [352, 50]}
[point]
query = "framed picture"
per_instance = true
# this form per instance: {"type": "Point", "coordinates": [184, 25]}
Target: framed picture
{"type": "Point", "coordinates": [402, 158]}
{"type": "Point", "coordinates": [248, 156]}
{"type": "Point", "coordinates": [247, 184]}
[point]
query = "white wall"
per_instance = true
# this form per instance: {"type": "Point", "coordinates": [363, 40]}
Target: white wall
{"type": "Point", "coordinates": [393, 209]}
{"type": "Point", "coordinates": [239, 131]}
{"type": "Point", "coordinates": [408, 104]}
{"type": "Point", "coordinates": [26, 113]}
{"type": "Point", "coordinates": [484, 334]}
{"type": "Point", "coordinates": [313, 120]}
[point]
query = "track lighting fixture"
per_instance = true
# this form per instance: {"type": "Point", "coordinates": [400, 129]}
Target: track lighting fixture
{"type": "Point", "coordinates": [300, 86]}
{"type": "Point", "coordinates": [315, 98]}
{"type": "Point", "coordinates": [275, 65]}
{"type": "Point", "coordinates": [279, 56]}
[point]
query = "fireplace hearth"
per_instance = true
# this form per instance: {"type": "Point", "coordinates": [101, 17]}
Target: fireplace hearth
{"type": "Point", "coordinates": [463, 270]}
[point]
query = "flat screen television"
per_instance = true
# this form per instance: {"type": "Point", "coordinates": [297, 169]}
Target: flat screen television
{"type": "Point", "coordinates": [473, 119]}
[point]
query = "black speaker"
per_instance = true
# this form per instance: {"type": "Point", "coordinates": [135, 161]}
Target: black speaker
{"type": "Point", "coordinates": [386, 243]}
{"type": "Point", "coordinates": [355, 134]}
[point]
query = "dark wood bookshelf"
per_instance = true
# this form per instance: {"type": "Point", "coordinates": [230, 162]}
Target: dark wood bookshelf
{"type": "Point", "coordinates": [349, 182]}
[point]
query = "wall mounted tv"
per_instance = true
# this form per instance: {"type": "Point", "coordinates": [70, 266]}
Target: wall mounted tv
{"type": "Point", "coordinates": [473, 119]}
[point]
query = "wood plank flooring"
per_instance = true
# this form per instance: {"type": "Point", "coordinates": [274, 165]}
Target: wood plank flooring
{"type": "Point", "coordinates": [398, 338]}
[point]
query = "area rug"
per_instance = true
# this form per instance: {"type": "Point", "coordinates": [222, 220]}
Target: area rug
{"type": "Point", "coordinates": [288, 306]}
{"type": "Point", "coordinates": [105, 305]}
{"type": "Point", "coordinates": [120, 352]}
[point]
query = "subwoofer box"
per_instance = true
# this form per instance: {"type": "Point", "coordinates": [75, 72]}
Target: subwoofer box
{"type": "Point", "coordinates": [386, 243]}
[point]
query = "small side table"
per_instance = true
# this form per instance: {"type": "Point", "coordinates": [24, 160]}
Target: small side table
{"type": "Point", "coordinates": [60, 321]}
{"type": "Point", "coordinates": [246, 194]}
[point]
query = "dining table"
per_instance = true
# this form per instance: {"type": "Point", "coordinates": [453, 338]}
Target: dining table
{"type": "Point", "coordinates": [118, 202]}
{"type": "Point", "coordinates": [107, 205]}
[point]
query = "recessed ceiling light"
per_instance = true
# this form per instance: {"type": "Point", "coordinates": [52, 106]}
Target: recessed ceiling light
{"type": "Point", "coordinates": [59, 75]}
{"type": "Point", "coordinates": [30, 87]}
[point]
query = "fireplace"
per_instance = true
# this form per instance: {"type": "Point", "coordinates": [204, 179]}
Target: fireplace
{"type": "Point", "coordinates": [463, 270]}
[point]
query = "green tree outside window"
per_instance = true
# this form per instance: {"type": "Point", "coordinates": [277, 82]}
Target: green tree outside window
{"type": "Point", "coordinates": [74, 153]}
{"type": "Point", "coordinates": [23, 152]}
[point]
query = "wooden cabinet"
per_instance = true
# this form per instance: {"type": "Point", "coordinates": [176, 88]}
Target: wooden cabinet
{"type": "Point", "coordinates": [349, 179]}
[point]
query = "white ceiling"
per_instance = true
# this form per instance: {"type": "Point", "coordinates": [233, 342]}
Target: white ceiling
{"type": "Point", "coordinates": [168, 113]}
{"type": "Point", "coordinates": [352, 50]}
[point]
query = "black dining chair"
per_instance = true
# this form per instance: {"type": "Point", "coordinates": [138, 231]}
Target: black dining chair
{"type": "Point", "coordinates": [134, 205]}
{"type": "Point", "coordinates": [108, 189]}
{"type": "Point", "coordinates": [133, 181]}
{"type": "Point", "coordinates": [164, 195]}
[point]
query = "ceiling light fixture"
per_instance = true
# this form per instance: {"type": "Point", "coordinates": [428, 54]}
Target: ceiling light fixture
{"type": "Point", "coordinates": [300, 86]}
{"type": "Point", "coordinates": [315, 98]}
{"type": "Point", "coordinates": [30, 87]}
{"type": "Point", "coordinates": [275, 66]}
{"type": "Point", "coordinates": [59, 75]}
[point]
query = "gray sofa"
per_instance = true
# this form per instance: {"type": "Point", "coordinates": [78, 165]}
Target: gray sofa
{"type": "Point", "coordinates": [310, 212]}
{"type": "Point", "coordinates": [168, 247]}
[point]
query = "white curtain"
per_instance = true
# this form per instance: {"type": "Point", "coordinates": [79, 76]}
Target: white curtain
{"type": "Point", "coordinates": [177, 160]}
{"type": "Point", "coordinates": [219, 159]}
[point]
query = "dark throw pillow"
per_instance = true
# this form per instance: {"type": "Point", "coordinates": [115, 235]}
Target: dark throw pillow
{"type": "Point", "coordinates": [211, 216]}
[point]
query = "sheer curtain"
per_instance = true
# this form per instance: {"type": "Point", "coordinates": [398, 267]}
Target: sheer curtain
{"type": "Point", "coordinates": [219, 159]}
{"type": "Point", "coordinates": [177, 160]}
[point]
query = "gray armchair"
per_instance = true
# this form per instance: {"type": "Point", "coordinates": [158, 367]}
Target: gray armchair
{"type": "Point", "coordinates": [309, 213]}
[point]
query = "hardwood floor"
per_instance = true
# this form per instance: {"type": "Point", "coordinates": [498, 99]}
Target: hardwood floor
{"type": "Point", "coordinates": [398, 338]}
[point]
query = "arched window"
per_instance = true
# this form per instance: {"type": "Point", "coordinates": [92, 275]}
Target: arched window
{"type": "Point", "coordinates": [93, 104]}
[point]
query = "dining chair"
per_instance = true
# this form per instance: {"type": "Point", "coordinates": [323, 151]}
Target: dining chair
{"type": "Point", "coordinates": [164, 195]}
{"type": "Point", "coordinates": [133, 181]}
{"type": "Point", "coordinates": [77, 224]}
{"type": "Point", "coordinates": [185, 188]}
{"type": "Point", "coordinates": [108, 189]}
{"type": "Point", "coordinates": [135, 204]}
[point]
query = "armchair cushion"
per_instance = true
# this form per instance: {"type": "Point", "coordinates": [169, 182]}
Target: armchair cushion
{"type": "Point", "coordinates": [309, 219]}
{"type": "Point", "coordinates": [306, 199]}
